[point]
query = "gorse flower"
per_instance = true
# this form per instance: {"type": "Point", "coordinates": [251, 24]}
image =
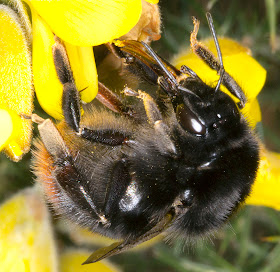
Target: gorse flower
{"type": "Point", "coordinates": [81, 25]}
{"type": "Point", "coordinates": [16, 92]}
{"type": "Point", "coordinates": [27, 241]}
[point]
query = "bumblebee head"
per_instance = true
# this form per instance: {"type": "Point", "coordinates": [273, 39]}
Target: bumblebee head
{"type": "Point", "coordinates": [208, 112]}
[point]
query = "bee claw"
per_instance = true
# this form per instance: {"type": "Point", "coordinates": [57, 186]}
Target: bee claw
{"type": "Point", "coordinates": [33, 117]}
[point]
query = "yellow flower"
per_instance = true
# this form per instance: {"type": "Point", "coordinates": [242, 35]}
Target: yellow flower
{"type": "Point", "coordinates": [266, 189]}
{"type": "Point", "coordinates": [80, 24]}
{"type": "Point", "coordinates": [16, 93]}
{"type": "Point", "coordinates": [251, 76]}
{"type": "Point", "coordinates": [27, 242]}
{"type": "Point", "coordinates": [26, 238]}
{"type": "Point", "coordinates": [71, 261]}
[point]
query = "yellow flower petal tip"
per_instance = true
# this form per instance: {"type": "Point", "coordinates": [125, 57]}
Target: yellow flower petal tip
{"type": "Point", "coordinates": [152, 1]}
{"type": "Point", "coordinates": [15, 146]}
{"type": "Point", "coordinates": [266, 188]}
{"type": "Point", "coordinates": [248, 73]}
{"type": "Point", "coordinates": [16, 91]}
{"type": "Point", "coordinates": [14, 151]}
{"type": "Point", "coordinates": [89, 23]}
{"type": "Point", "coordinates": [26, 239]}
{"type": "Point", "coordinates": [252, 112]}
{"type": "Point", "coordinates": [71, 261]}
{"type": "Point", "coordinates": [84, 70]}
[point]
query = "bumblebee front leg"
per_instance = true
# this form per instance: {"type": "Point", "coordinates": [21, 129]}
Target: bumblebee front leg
{"type": "Point", "coordinates": [155, 118]}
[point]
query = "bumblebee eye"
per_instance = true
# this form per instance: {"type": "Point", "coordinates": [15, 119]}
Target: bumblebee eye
{"type": "Point", "coordinates": [189, 121]}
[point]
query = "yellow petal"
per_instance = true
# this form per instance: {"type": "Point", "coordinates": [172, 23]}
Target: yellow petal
{"type": "Point", "coordinates": [84, 70]}
{"type": "Point", "coordinates": [267, 185]}
{"type": "Point", "coordinates": [20, 9]}
{"type": "Point", "coordinates": [6, 125]}
{"type": "Point", "coordinates": [47, 85]}
{"type": "Point", "coordinates": [71, 261]}
{"type": "Point", "coordinates": [252, 112]}
{"type": "Point", "coordinates": [26, 239]}
{"type": "Point", "coordinates": [88, 23]}
{"type": "Point", "coordinates": [247, 72]}
{"type": "Point", "coordinates": [16, 92]}
{"type": "Point", "coordinates": [152, 1]}
{"type": "Point", "coordinates": [11, 127]}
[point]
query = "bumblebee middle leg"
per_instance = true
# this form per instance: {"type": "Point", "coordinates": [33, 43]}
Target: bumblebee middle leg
{"type": "Point", "coordinates": [155, 118]}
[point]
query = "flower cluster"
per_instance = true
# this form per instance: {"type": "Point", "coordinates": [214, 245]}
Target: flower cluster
{"type": "Point", "coordinates": [81, 25]}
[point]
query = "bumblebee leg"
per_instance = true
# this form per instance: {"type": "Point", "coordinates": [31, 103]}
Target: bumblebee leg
{"type": "Point", "coordinates": [204, 53]}
{"type": "Point", "coordinates": [65, 171]}
{"type": "Point", "coordinates": [75, 191]}
{"type": "Point", "coordinates": [106, 136]}
{"type": "Point", "coordinates": [70, 97]}
{"type": "Point", "coordinates": [33, 117]}
{"type": "Point", "coordinates": [111, 100]}
{"type": "Point", "coordinates": [154, 115]}
{"type": "Point", "coordinates": [151, 108]}
{"type": "Point", "coordinates": [144, 62]}
{"type": "Point", "coordinates": [51, 137]}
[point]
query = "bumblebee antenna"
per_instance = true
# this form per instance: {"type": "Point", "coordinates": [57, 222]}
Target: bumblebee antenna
{"type": "Point", "coordinates": [213, 32]}
{"type": "Point", "coordinates": [160, 63]}
{"type": "Point", "coordinates": [168, 73]}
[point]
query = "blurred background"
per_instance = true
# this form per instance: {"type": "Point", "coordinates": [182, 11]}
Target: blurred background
{"type": "Point", "coordinates": [251, 242]}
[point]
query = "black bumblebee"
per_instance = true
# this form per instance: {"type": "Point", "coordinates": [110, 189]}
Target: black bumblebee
{"type": "Point", "coordinates": [183, 168]}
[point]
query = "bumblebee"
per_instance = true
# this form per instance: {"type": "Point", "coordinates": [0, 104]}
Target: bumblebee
{"type": "Point", "coordinates": [183, 168]}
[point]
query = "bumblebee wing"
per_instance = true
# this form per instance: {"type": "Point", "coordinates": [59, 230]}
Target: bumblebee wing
{"type": "Point", "coordinates": [121, 246]}
{"type": "Point", "coordinates": [145, 60]}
